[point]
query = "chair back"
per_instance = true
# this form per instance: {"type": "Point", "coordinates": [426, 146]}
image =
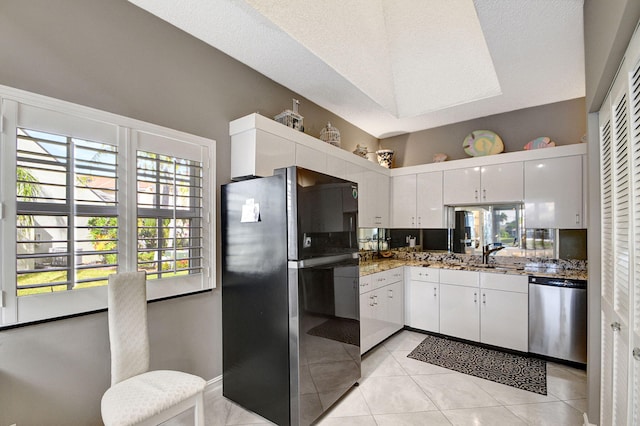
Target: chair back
{"type": "Point", "coordinates": [128, 334]}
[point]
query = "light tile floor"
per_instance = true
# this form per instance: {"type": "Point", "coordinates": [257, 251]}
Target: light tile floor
{"type": "Point", "coordinates": [398, 391]}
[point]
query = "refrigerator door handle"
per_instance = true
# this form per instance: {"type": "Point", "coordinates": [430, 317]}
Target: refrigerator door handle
{"type": "Point", "coordinates": [320, 261]}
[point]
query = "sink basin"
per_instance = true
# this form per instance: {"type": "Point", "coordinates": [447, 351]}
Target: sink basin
{"type": "Point", "coordinates": [500, 267]}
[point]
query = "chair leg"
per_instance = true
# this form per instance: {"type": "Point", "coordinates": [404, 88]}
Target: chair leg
{"type": "Point", "coordinates": [198, 411]}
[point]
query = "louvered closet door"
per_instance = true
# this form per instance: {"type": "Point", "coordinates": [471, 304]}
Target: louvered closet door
{"type": "Point", "coordinates": [634, 306]}
{"type": "Point", "coordinates": [620, 244]}
{"type": "Point", "coordinates": [606, 280]}
{"type": "Point", "coordinates": [616, 254]}
{"type": "Point", "coordinates": [621, 249]}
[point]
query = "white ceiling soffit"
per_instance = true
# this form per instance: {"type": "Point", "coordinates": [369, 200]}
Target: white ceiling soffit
{"type": "Point", "coordinates": [410, 57]}
{"type": "Point", "coordinates": [391, 67]}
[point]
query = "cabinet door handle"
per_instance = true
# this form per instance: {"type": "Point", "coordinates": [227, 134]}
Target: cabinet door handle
{"type": "Point", "coordinates": [413, 221]}
{"type": "Point", "coordinates": [370, 300]}
{"type": "Point", "coordinates": [476, 194]}
{"type": "Point", "coordinates": [615, 326]}
{"type": "Point", "coordinates": [636, 354]}
{"type": "Point", "coordinates": [375, 299]}
{"type": "Point", "coordinates": [484, 298]}
{"type": "Point", "coordinates": [484, 194]}
{"type": "Point", "coordinates": [577, 218]}
{"type": "Point", "coordinates": [390, 294]}
{"type": "Point", "coordinates": [475, 297]}
{"type": "Point", "coordinates": [435, 292]}
{"type": "Point", "coordinates": [419, 220]}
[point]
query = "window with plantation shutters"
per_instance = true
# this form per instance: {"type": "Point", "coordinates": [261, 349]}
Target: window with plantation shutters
{"type": "Point", "coordinates": [67, 215]}
{"type": "Point", "coordinates": [169, 223]}
{"type": "Point", "coordinates": [85, 194]}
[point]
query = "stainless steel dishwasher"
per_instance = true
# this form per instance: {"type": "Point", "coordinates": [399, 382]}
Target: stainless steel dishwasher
{"type": "Point", "coordinates": [558, 318]}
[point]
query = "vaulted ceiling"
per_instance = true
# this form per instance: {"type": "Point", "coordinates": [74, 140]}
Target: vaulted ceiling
{"type": "Point", "coordinates": [397, 66]}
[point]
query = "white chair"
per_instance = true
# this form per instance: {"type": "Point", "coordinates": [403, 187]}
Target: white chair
{"type": "Point", "coordinates": [138, 396]}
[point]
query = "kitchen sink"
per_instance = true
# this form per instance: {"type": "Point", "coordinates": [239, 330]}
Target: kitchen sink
{"type": "Point", "coordinates": [500, 267]}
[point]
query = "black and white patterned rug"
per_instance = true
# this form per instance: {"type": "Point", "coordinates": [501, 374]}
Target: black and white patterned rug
{"type": "Point", "coordinates": [514, 370]}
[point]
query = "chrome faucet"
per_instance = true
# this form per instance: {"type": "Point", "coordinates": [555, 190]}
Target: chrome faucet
{"type": "Point", "coordinates": [487, 250]}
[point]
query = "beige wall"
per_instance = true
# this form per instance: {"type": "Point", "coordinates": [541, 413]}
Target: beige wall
{"type": "Point", "coordinates": [110, 55]}
{"type": "Point", "coordinates": [563, 122]}
{"type": "Point", "coordinates": [608, 29]}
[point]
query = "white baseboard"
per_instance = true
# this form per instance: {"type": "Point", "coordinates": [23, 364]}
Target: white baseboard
{"type": "Point", "coordinates": [213, 384]}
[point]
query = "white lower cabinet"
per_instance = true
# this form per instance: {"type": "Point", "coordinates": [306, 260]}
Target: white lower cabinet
{"type": "Point", "coordinates": [490, 308]}
{"type": "Point", "coordinates": [460, 311]}
{"type": "Point", "coordinates": [382, 308]}
{"type": "Point", "coordinates": [486, 307]}
{"type": "Point", "coordinates": [422, 299]}
{"type": "Point", "coordinates": [504, 311]}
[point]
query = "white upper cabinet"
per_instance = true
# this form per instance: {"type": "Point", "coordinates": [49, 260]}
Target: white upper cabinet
{"type": "Point", "coordinates": [416, 201]}
{"type": "Point", "coordinates": [311, 159]}
{"type": "Point", "coordinates": [553, 193]}
{"type": "Point", "coordinates": [257, 153]}
{"type": "Point", "coordinates": [462, 186]}
{"type": "Point", "coordinates": [495, 183]}
{"type": "Point", "coordinates": [429, 200]}
{"type": "Point", "coordinates": [336, 167]}
{"type": "Point", "coordinates": [374, 195]}
{"type": "Point", "coordinates": [502, 183]}
{"type": "Point", "coordinates": [549, 181]}
{"type": "Point", "coordinates": [403, 201]}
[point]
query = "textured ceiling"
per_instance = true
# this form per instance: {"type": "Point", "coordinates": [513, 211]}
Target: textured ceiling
{"type": "Point", "coordinates": [397, 66]}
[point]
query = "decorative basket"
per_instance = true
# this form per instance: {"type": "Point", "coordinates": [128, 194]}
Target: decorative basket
{"type": "Point", "coordinates": [330, 134]}
{"type": "Point", "coordinates": [291, 118]}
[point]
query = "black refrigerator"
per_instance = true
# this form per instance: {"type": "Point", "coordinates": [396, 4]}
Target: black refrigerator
{"type": "Point", "coordinates": [290, 295]}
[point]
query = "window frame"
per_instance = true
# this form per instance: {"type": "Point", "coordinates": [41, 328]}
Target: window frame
{"type": "Point", "coordinates": [128, 135]}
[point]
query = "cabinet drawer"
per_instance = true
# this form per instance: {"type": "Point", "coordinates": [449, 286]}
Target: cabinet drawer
{"type": "Point", "coordinates": [396, 274]}
{"type": "Point", "coordinates": [505, 282]}
{"type": "Point", "coordinates": [464, 278]}
{"type": "Point", "coordinates": [383, 278]}
{"type": "Point", "coordinates": [419, 273]}
{"type": "Point", "coordinates": [365, 284]}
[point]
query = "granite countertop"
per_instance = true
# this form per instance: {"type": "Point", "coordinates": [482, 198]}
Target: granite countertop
{"type": "Point", "coordinates": [378, 265]}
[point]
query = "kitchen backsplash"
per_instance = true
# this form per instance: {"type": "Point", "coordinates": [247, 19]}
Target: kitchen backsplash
{"type": "Point", "coordinates": [539, 264]}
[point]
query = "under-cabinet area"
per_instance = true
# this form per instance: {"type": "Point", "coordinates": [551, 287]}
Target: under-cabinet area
{"type": "Point", "coordinates": [485, 307]}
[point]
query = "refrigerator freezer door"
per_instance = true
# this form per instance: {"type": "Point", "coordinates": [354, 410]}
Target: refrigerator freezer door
{"type": "Point", "coordinates": [322, 214]}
